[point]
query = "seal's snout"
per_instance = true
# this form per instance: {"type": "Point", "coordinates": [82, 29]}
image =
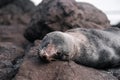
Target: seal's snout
{"type": "Point", "coordinates": [47, 58]}
{"type": "Point", "coordinates": [47, 53]}
{"type": "Point", "coordinates": [44, 56]}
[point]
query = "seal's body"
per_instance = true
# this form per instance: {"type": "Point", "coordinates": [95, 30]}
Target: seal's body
{"type": "Point", "coordinates": [90, 47]}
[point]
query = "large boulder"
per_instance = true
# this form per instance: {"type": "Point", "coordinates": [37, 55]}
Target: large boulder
{"type": "Point", "coordinates": [14, 18]}
{"type": "Point", "coordinates": [94, 18]}
{"type": "Point", "coordinates": [52, 15]}
{"type": "Point", "coordinates": [16, 12]}
{"type": "Point", "coordinates": [10, 59]}
{"type": "Point", "coordinates": [25, 5]}
{"type": "Point", "coordinates": [13, 34]}
{"type": "Point", "coordinates": [33, 68]}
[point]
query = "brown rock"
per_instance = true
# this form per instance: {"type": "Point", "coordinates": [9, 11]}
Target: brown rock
{"type": "Point", "coordinates": [14, 18]}
{"type": "Point", "coordinates": [10, 58]}
{"type": "Point", "coordinates": [94, 18]}
{"type": "Point", "coordinates": [16, 12]}
{"type": "Point", "coordinates": [13, 34]}
{"type": "Point", "coordinates": [52, 15]}
{"type": "Point", "coordinates": [34, 69]}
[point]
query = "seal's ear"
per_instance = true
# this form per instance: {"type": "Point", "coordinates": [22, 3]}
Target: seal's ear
{"type": "Point", "coordinates": [37, 42]}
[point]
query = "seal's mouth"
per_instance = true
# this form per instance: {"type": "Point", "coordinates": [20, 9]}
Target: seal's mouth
{"type": "Point", "coordinates": [48, 53]}
{"type": "Point", "coordinates": [48, 59]}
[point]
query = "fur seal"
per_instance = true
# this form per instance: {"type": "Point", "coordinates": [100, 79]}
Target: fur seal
{"type": "Point", "coordinates": [89, 47]}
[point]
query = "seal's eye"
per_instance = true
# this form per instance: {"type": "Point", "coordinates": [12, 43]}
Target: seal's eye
{"type": "Point", "coordinates": [57, 55]}
{"type": "Point", "coordinates": [62, 56]}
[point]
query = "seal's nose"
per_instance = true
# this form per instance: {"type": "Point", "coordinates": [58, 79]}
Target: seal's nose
{"type": "Point", "coordinates": [44, 56]}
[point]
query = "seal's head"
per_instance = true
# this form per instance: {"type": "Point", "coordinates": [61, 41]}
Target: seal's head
{"type": "Point", "coordinates": [56, 46]}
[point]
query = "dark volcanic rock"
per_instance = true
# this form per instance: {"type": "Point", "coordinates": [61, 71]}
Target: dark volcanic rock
{"type": "Point", "coordinates": [34, 69]}
{"type": "Point", "coordinates": [16, 12]}
{"type": "Point", "coordinates": [61, 15]}
{"type": "Point", "coordinates": [14, 18]}
{"type": "Point", "coordinates": [5, 2]}
{"type": "Point", "coordinates": [13, 34]}
{"type": "Point", "coordinates": [115, 72]}
{"type": "Point", "coordinates": [10, 56]}
{"type": "Point", "coordinates": [25, 5]}
{"type": "Point", "coordinates": [117, 25]}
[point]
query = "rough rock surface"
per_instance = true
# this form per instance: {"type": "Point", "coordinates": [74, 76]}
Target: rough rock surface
{"type": "Point", "coordinates": [5, 2]}
{"type": "Point", "coordinates": [13, 34]}
{"type": "Point", "coordinates": [94, 18]}
{"type": "Point", "coordinates": [34, 69]}
{"type": "Point", "coordinates": [61, 15]}
{"type": "Point", "coordinates": [14, 18]}
{"type": "Point", "coordinates": [115, 72]}
{"type": "Point", "coordinates": [16, 12]}
{"type": "Point", "coordinates": [10, 56]}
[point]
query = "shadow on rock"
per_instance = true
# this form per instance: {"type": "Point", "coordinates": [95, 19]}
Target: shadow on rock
{"type": "Point", "coordinates": [10, 59]}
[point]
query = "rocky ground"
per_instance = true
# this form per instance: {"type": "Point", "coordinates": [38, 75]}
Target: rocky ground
{"type": "Point", "coordinates": [21, 22]}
